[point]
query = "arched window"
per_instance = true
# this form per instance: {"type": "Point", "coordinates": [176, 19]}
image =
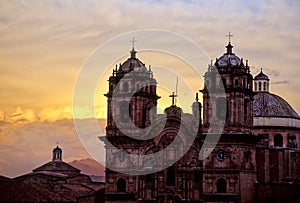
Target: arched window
{"type": "Point", "coordinates": [207, 83]}
{"type": "Point", "coordinates": [278, 140]}
{"type": "Point", "coordinates": [121, 185]}
{"type": "Point", "coordinates": [245, 110]}
{"type": "Point", "coordinates": [224, 82]}
{"type": "Point", "coordinates": [125, 87]}
{"type": "Point", "coordinates": [149, 178]}
{"type": "Point", "coordinates": [255, 86]}
{"type": "Point", "coordinates": [170, 177]}
{"type": "Point", "coordinates": [236, 82]}
{"type": "Point", "coordinates": [124, 111]}
{"type": "Point", "coordinates": [259, 86]}
{"type": "Point", "coordinates": [196, 176]}
{"type": "Point", "coordinates": [265, 86]}
{"type": "Point", "coordinates": [221, 185]}
{"type": "Point", "coordinates": [222, 108]}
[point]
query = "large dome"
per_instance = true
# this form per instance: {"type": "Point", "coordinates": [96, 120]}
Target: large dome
{"type": "Point", "coordinates": [270, 105]}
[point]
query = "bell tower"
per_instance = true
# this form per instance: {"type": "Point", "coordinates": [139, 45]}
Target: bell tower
{"type": "Point", "coordinates": [230, 168]}
{"type": "Point", "coordinates": [131, 97]}
{"type": "Point", "coordinates": [131, 102]}
{"type": "Point", "coordinates": [227, 94]}
{"type": "Point", "coordinates": [261, 82]}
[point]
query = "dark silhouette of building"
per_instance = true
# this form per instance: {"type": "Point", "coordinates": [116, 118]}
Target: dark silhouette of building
{"type": "Point", "coordinates": [257, 158]}
{"type": "Point", "coordinates": [55, 181]}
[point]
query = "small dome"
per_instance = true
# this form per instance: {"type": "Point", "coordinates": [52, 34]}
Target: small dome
{"type": "Point", "coordinates": [173, 111]}
{"type": "Point", "coordinates": [261, 76]}
{"type": "Point", "coordinates": [229, 58]}
{"type": "Point", "coordinates": [132, 64]}
{"type": "Point", "coordinates": [57, 149]}
{"type": "Point", "coordinates": [270, 105]}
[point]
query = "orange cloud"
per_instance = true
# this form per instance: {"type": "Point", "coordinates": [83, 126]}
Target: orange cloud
{"type": "Point", "coordinates": [26, 116]}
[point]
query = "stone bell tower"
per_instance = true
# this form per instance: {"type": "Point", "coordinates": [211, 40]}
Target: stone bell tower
{"type": "Point", "coordinates": [229, 172]}
{"type": "Point", "coordinates": [131, 102]}
{"type": "Point", "coordinates": [228, 94]}
{"type": "Point", "coordinates": [131, 97]}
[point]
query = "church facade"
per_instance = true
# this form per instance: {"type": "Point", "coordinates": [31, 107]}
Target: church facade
{"type": "Point", "coordinates": [256, 159]}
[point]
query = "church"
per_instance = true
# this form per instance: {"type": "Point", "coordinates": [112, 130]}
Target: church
{"type": "Point", "coordinates": [54, 181]}
{"type": "Point", "coordinates": [256, 157]}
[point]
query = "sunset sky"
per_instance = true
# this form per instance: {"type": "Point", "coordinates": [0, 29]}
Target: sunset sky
{"type": "Point", "coordinates": [43, 45]}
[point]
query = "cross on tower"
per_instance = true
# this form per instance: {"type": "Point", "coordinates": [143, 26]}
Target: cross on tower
{"type": "Point", "coordinates": [173, 98]}
{"type": "Point", "coordinates": [229, 36]}
{"type": "Point", "coordinates": [132, 41]}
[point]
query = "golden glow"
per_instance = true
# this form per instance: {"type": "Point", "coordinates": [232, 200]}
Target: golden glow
{"type": "Point", "coordinates": [44, 44]}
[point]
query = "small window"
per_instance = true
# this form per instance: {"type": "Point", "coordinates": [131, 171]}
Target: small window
{"type": "Point", "coordinates": [125, 87]}
{"type": "Point", "coordinates": [221, 185]}
{"type": "Point", "coordinates": [207, 83]}
{"type": "Point", "coordinates": [121, 185]}
{"type": "Point", "coordinates": [255, 86]}
{"type": "Point", "coordinates": [278, 140]}
{"type": "Point", "coordinates": [245, 110]}
{"type": "Point", "coordinates": [124, 111]}
{"type": "Point", "coordinates": [236, 82]}
{"type": "Point", "coordinates": [170, 177]}
{"type": "Point", "coordinates": [265, 86]}
{"type": "Point", "coordinates": [149, 178]}
{"type": "Point", "coordinates": [259, 86]}
{"type": "Point", "coordinates": [224, 82]}
{"type": "Point", "coordinates": [196, 176]}
{"type": "Point", "coordinates": [222, 108]}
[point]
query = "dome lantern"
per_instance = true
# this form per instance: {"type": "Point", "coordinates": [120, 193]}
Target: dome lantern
{"type": "Point", "coordinates": [57, 154]}
{"type": "Point", "coordinates": [229, 48]}
{"type": "Point", "coordinates": [261, 82]}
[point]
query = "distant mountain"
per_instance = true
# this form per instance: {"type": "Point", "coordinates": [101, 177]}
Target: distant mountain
{"type": "Point", "coordinates": [89, 167]}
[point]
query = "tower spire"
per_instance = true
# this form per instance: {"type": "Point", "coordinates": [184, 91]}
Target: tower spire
{"type": "Point", "coordinates": [132, 52]}
{"type": "Point", "coordinates": [229, 46]}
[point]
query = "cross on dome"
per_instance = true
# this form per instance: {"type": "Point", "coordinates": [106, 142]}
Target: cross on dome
{"type": "Point", "coordinates": [173, 95]}
{"type": "Point", "coordinates": [132, 52]}
{"type": "Point", "coordinates": [133, 41]}
{"type": "Point", "coordinates": [229, 37]}
{"type": "Point", "coordinates": [229, 46]}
